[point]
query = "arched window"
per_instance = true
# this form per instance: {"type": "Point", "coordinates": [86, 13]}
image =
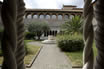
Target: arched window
{"type": "Point", "coordinates": [66, 17]}
{"type": "Point", "coordinates": [55, 32]}
{"type": "Point", "coordinates": [41, 17]}
{"type": "Point", "coordinates": [47, 16]}
{"type": "Point", "coordinates": [35, 16]}
{"type": "Point", "coordinates": [59, 17]}
{"type": "Point", "coordinates": [29, 16]}
{"type": "Point", "coordinates": [53, 16]}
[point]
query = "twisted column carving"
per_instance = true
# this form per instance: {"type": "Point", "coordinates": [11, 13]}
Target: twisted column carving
{"type": "Point", "coordinates": [88, 35]}
{"type": "Point", "coordinates": [9, 42]}
{"type": "Point", "coordinates": [20, 51]}
{"type": "Point", "coordinates": [99, 33]}
{"type": "Point", "coordinates": [13, 36]}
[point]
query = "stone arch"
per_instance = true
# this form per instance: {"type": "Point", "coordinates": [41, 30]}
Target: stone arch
{"type": "Point", "coordinates": [48, 16]}
{"type": "Point", "coordinates": [55, 32]}
{"type": "Point", "coordinates": [71, 16]}
{"type": "Point", "coordinates": [41, 16]}
{"type": "Point", "coordinates": [60, 17]}
{"type": "Point", "coordinates": [35, 16]}
{"type": "Point", "coordinates": [26, 14]}
{"type": "Point", "coordinates": [54, 16]}
{"type": "Point", "coordinates": [29, 16]}
{"type": "Point", "coordinates": [45, 33]}
{"type": "Point", "coordinates": [66, 16]}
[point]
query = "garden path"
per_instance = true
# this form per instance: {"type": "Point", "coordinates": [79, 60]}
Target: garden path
{"type": "Point", "coordinates": [51, 57]}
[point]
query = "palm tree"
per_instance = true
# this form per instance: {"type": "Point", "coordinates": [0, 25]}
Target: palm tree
{"type": "Point", "coordinates": [73, 25]}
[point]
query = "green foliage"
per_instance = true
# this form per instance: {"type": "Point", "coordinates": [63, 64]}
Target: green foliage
{"type": "Point", "coordinates": [38, 28]}
{"type": "Point", "coordinates": [29, 35]}
{"type": "Point", "coordinates": [25, 46]}
{"type": "Point", "coordinates": [70, 42]}
{"type": "Point", "coordinates": [29, 48]}
{"type": "Point", "coordinates": [73, 25]}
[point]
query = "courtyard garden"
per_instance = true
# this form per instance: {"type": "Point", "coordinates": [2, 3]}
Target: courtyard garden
{"type": "Point", "coordinates": [70, 41]}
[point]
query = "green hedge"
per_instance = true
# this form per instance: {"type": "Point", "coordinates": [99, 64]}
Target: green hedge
{"type": "Point", "coordinates": [70, 42]}
{"type": "Point", "coordinates": [29, 35]}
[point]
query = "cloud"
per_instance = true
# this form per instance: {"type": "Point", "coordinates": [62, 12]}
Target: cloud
{"type": "Point", "coordinates": [51, 4]}
{"type": "Point", "coordinates": [78, 3]}
{"type": "Point", "coordinates": [30, 3]}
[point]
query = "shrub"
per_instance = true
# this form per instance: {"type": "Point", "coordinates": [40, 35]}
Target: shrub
{"type": "Point", "coordinates": [29, 35]}
{"type": "Point", "coordinates": [38, 28]}
{"type": "Point", "coordinates": [70, 42]}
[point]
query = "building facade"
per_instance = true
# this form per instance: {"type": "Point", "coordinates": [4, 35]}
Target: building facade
{"type": "Point", "coordinates": [53, 17]}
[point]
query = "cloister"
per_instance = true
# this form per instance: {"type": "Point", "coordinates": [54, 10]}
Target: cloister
{"type": "Point", "coordinates": [12, 13]}
{"type": "Point", "coordinates": [64, 13]}
{"type": "Point", "coordinates": [54, 17]}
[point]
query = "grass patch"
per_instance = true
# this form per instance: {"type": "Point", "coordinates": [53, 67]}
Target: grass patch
{"type": "Point", "coordinates": [1, 59]}
{"type": "Point", "coordinates": [32, 50]}
{"type": "Point", "coordinates": [77, 57]}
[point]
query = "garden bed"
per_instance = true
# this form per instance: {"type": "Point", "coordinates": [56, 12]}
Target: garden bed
{"type": "Point", "coordinates": [77, 57]}
{"type": "Point", "coordinates": [32, 52]}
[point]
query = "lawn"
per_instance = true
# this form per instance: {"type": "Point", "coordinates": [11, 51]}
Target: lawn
{"type": "Point", "coordinates": [32, 50]}
{"type": "Point", "coordinates": [76, 57]}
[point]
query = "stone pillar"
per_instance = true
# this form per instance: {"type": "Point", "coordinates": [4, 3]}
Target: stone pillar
{"type": "Point", "coordinates": [56, 16]}
{"type": "Point", "coordinates": [50, 16]}
{"type": "Point", "coordinates": [38, 16]}
{"type": "Point", "coordinates": [63, 16]}
{"type": "Point", "coordinates": [44, 16]}
{"type": "Point", "coordinates": [32, 15]}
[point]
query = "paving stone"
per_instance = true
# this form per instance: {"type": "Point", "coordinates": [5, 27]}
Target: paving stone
{"type": "Point", "coordinates": [51, 57]}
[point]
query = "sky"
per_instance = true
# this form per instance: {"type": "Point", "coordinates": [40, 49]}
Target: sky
{"type": "Point", "coordinates": [52, 4]}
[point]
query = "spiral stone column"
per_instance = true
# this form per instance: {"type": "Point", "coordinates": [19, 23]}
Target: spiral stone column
{"type": "Point", "coordinates": [13, 36]}
{"type": "Point", "coordinates": [99, 34]}
{"type": "Point", "coordinates": [9, 42]}
{"type": "Point", "coordinates": [88, 35]}
{"type": "Point", "coordinates": [20, 51]}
